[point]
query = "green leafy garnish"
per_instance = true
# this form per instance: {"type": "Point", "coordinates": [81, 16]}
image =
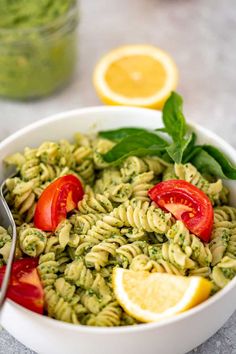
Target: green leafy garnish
{"type": "Point", "coordinates": [119, 134]}
{"type": "Point", "coordinates": [189, 151]}
{"type": "Point", "coordinates": [227, 167]}
{"type": "Point", "coordinates": [176, 127]}
{"type": "Point", "coordinates": [209, 159]}
{"type": "Point", "coordinates": [179, 147]}
{"type": "Point", "coordinates": [206, 164]}
{"type": "Point", "coordinates": [145, 143]}
{"type": "Point", "coordinates": [173, 118]}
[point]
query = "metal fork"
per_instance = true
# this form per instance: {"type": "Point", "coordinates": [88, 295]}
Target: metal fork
{"type": "Point", "coordinates": [7, 221]}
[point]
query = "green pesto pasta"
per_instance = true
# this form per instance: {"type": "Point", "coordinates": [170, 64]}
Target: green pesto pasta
{"type": "Point", "coordinates": [114, 225]}
{"type": "Point", "coordinates": [5, 245]}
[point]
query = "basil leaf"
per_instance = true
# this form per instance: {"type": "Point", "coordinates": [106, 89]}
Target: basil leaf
{"type": "Point", "coordinates": [163, 130]}
{"type": "Point", "coordinates": [166, 157]}
{"type": "Point", "coordinates": [190, 155]}
{"type": "Point", "coordinates": [145, 143]}
{"type": "Point", "coordinates": [173, 117]}
{"type": "Point", "coordinates": [206, 164]}
{"type": "Point", "coordinates": [119, 134]}
{"type": "Point", "coordinates": [177, 149]}
{"type": "Point", "coordinates": [228, 169]}
{"type": "Point", "coordinates": [190, 148]}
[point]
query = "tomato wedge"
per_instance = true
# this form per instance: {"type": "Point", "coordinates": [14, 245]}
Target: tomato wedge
{"type": "Point", "coordinates": [25, 287]}
{"type": "Point", "coordinates": [187, 203]}
{"type": "Point", "coordinates": [56, 201]}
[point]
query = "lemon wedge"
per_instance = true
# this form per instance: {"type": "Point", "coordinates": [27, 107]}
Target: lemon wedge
{"type": "Point", "coordinates": [151, 297]}
{"type": "Point", "coordinates": [135, 75]}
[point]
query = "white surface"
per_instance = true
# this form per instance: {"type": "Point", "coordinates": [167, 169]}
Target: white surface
{"type": "Point", "coordinates": [55, 337]}
{"type": "Point", "coordinates": [201, 37]}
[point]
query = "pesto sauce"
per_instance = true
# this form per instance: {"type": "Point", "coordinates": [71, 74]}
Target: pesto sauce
{"type": "Point", "coordinates": [37, 46]}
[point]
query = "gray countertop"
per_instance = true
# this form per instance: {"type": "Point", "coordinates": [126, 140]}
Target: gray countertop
{"type": "Point", "coordinates": [199, 34]}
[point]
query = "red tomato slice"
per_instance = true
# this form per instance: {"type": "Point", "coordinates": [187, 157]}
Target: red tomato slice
{"type": "Point", "coordinates": [25, 287]}
{"type": "Point", "coordinates": [56, 201]}
{"type": "Point", "coordinates": [187, 203]}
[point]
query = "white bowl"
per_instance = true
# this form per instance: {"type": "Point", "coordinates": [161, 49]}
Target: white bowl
{"type": "Point", "coordinates": [177, 335]}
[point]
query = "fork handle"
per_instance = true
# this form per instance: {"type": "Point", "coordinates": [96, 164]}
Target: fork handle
{"type": "Point", "coordinates": [6, 278]}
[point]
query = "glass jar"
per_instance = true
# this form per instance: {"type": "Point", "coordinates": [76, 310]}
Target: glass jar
{"type": "Point", "coordinates": [36, 61]}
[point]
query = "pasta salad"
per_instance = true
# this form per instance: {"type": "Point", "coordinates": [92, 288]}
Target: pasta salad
{"type": "Point", "coordinates": [111, 219]}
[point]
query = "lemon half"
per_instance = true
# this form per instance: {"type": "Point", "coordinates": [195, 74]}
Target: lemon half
{"type": "Point", "coordinates": [136, 75]}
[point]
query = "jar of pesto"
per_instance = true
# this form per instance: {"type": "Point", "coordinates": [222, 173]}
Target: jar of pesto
{"type": "Point", "coordinates": [37, 46]}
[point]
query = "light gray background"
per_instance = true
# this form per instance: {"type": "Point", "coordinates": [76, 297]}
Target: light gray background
{"type": "Point", "coordinates": [201, 37]}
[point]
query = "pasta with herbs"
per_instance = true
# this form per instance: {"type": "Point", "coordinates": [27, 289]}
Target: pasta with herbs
{"type": "Point", "coordinates": [5, 245]}
{"type": "Point", "coordinates": [115, 224]}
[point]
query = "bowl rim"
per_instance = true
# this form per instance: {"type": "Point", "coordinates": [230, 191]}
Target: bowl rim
{"type": "Point", "coordinates": [130, 328]}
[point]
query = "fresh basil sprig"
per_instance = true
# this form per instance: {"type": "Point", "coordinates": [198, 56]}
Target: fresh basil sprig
{"type": "Point", "coordinates": [173, 118]}
{"type": "Point", "coordinates": [119, 134]}
{"type": "Point", "coordinates": [145, 143]}
{"type": "Point", "coordinates": [210, 160]}
{"type": "Point", "coordinates": [177, 149]}
{"type": "Point", "coordinates": [182, 148]}
{"type": "Point", "coordinates": [228, 169]}
{"type": "Point", "coordinates": [190, 149]}
{"type": "Point", "coordinates": [176, 126]}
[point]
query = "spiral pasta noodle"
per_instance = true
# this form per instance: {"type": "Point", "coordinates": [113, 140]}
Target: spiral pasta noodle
{"type": "Point", "coordinates": [126, 253]}
{"type": "Point", "coordinates": [191, 244]}
{"type": "Point", "coordinates": [141, 185]}
{"type": "Point", "coordinates": [5, 245]}
{"type": "Point", "coordinates": [224, 271]}
{"type": "Point", "coordinates": [103, 229]}
{"type": "Point", "coordinates": [108, 178]}
{"type": "Point", "coordinates": [99, 254]}
{"type": "Point", "coordinates": [22, 197]}
{"type": "Point", "coordinates": [223, 240]}
{"type": "Point", "coordinates": [142, 216]}
{"type": "Point", "coordinates": [62, 258]}
{"type": "Point", "coordinates": [114, 225]}
{"type": "Point", "coordinates": [83, 223]}
{"type": "Point", "coordinates": [48, 269]}
{"type": "Point", "coordinates": [131, 167]}
{"type": "Point", "coordinates": [65, 235]}
{"type": "Point", "coordinates": [225, 213]}
{"type": "Point", "coordinates": [142, 263]}
{"type": "Point", "coordinates": [159, 254]}
{"type": "Point", "coordinates": [94, 204]}
{"type": "Point", "coordinates": [63, 303]}
{"type": "Point", "coordinates": [109, 316]}
{"type": "Point", "coordinates": [77, 273]}
{"type": "Point", "coordinates": [32, 240]}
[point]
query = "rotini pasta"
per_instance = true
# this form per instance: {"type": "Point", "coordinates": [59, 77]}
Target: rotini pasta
{"type": "Point", "coordinates": [115, 224]}
{"type": "Point", "coordinates": [141, 215]}
{"type": "Point", "coordinates": [223, 240]}
{"type": "Point", "coordinates": [5, 245]}
{"type": "Point", "coordinates": [21, 197]}
{"type": "Point", "coordinates": [60, 308]}
{"type": "Point", "coordinates": [224, 271]}
{"type": "Point", "coordinates": [109, 316]}
{"type": "Point", "coordinates": [191, 245]}
{"type": "Point", "coordinates": [141, 185]}
{"type": "Point", "coordinates": [32, 240]}
{"type": "Point", "coordinates": [95, 204]}
{"type": "Point", "coordinates": [48, 268]}
{"type": "Point", "coordinates": [99, 254]}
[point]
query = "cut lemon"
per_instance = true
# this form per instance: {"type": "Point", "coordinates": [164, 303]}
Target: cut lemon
{"type": "Point", "coordinates": [135, 75]}
{"type": "Point", "coordinates": [151, 297]}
